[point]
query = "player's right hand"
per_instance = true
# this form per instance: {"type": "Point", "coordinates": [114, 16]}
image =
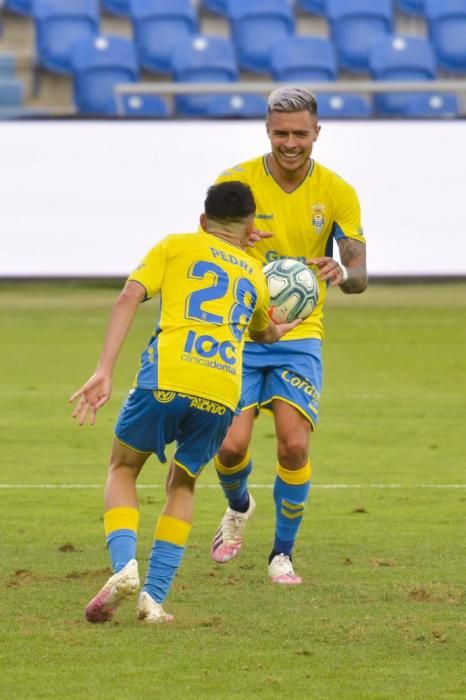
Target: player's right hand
{"type": "Point", "coordinates": [92, 395]}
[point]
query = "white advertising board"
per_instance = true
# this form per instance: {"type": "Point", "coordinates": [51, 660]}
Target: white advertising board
{"type": "Point", "coordinates": [88, 199]}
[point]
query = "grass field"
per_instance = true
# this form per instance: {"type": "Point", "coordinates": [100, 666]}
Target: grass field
{"type": "Point", "coordinates": [381, 613]}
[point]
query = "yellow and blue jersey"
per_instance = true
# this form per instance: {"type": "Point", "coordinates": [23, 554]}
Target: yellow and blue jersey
{"type": "Point", "coordinates": [210, 292]}
{"type": "Point", "coordinates": [304, 222]}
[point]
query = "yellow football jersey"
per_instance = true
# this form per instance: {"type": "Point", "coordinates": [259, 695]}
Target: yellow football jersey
{"type": "Point", "coordinates": [210, 292]}
{"type": "Point", "coordinates": [304, 223]}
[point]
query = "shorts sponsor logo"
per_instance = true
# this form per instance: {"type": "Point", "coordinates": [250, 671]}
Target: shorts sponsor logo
{"type": "Point", "coordinates": [164, 396]}
{"type": "Point", "coordinates": [303, 385]}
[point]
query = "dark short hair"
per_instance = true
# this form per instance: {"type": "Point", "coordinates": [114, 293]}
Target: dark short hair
{"type": "Point", "coordinates": [229, 201]}
{"type": "Point", "coordinates": [292, 99]}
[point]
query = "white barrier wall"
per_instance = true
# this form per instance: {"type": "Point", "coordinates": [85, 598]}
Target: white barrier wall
{"type": "Point", "coordinates": [90, 198]}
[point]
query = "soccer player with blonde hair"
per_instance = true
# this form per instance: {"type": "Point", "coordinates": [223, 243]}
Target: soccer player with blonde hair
{"type": "Point", "coordinates": [186, 391]}
{"type": "Point", "coordinates": [306, 207]}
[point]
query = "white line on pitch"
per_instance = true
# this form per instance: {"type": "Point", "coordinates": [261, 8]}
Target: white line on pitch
{"type": "Point", "coordinates": [253, 486]}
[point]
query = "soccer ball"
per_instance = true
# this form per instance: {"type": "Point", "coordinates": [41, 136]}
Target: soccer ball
{"type": "Point", "coordinates": [294, 290]}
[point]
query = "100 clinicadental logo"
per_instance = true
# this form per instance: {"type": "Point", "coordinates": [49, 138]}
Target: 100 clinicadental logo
{"type": "Point", "coordinates": [209, 347]}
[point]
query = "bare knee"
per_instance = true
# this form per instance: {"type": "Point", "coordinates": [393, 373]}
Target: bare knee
{"type": "Point", "coordinates": [232, 451]}
{"type": "Point", "coordinates": [293, 451]}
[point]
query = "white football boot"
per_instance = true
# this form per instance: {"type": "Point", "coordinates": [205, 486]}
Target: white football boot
{"type": "Point", "coordinates": [229, 536]}
{"type": "Point", "coordinates": [281, 571]}
{"type": "Point", "coordinates": [120, 586]}
{"type": "Point", "coordinates": [151, 611]}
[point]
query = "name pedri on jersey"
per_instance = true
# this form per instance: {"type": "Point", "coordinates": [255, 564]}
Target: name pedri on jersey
{"type": "Point", "coordinates": [210, 291]}
{"type": "Point", "coordinates": [304, 223]}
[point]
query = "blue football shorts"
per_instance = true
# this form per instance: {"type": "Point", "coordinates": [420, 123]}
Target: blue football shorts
{"type": "Point", "coordinates": [151, 420]}
{"type": "Point", "coordinates": [290, 370]}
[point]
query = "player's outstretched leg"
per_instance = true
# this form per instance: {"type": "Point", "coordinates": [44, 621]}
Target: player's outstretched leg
{"type": "Point", "coordinates": [229, 536]}
{"type": "Point", "coordinates": [291, 490]}
{"type": "Point", "coordinates": [118, 588]}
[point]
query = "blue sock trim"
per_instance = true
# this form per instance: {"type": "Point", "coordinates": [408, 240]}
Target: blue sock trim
{"type": "Point", "coordinates": [164, 561]}
{"type": "Point", "coordinates": [290, 500]}
{"type": "Point", "coordinates": [121, 545]}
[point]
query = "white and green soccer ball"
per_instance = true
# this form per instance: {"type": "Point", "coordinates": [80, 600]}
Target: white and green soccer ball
{"type": "Point", "coordinates": [294, 290]}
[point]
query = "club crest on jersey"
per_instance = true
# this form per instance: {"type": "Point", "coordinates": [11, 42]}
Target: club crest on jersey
{"type": "Point", "coordinates": [318, 217]}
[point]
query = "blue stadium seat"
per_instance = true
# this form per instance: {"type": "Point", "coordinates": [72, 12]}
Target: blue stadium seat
{"type": "Point", "coordinates": [116, 7]}
{"type": "Point", "coordinates": [303, 58]}
{"type": "Point", "coordinates": [58, 26]}
{"type": "Point", "coordinates": [249, 106]}
{"type": "Point", "coordinates": [217, 6]}
{"type": "Point", "coordinates": [11, 93]}
{"type": "Point", "coordinates": [23, 7]}
{"type": "Point", "coordinates": [349, 106]}
{"type": "Point", "coordinates": [202, 58]}
{"type": "Point", "coordinates": [7, 66]}
{"type": "Point", "coordinates": [142, 105]}
{"type": "Point", "coordinates": [256, 27]}
{"type": "Point", "coordinates": [447, 31]}
{"type": "Point", "coordinates": [400, 58]}
{"type": "Point", "coordinates": [354, 26]}
{"type": "Point", "coordinates": [315, 7]}
{"type": "Point", "coordinates": [433, 105]}
{"type": "Point", "coordinates": [159, 25]}
{"type": "Point", "coordinates": [411, 7]}
{"type": "Point", "coordinates": [98, 65]}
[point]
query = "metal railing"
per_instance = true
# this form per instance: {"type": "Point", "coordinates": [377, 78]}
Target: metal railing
{"type": "Point", "coordinates": [457, 86]}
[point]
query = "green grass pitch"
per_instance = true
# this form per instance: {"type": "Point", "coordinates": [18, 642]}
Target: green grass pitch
{"type": "Point", "coordinates": [381, 613]}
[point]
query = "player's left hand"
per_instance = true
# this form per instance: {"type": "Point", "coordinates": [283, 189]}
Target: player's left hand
{"type": "Point", "coordinates": [92, 395]}
{"type": "Point", "coordinates": [330, 270]}
{"type": "Point", "coordinates": [257, 235]}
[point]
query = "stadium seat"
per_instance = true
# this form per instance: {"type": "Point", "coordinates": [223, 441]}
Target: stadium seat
{"type": "Point", "coordinates": [432, 106]}
{"type": "Point", "coordinates": [343, 106]}
{"type": "Point", "coordinates": [447, 31]}
{"type": "Point", "coordinates": [411, 7]}
{"type": "Point", "coordinates": [247, 106]}
{"type": "Point", "coordinates": [117, 7]}
{"type": "Point", "coordinates": [354, 26]}
{"type": "Point", "coordinates": [202, 58]}
{"type": "Point", "coordinates": [315, 7]}
{"type": "Point", "coordinates": [400, 58]}
{"type": "Point", "coordinates": [11, 93]}
{"type": "Point", "coordinates": [7, 65]}
{"type": "Point", "coordinates": [159, 25]}
{"type": "Point", "coordinates": [22, 7]}
{"type": "Point", "coordinates": [142, 105]}
{"type": "Point", "coordinates": [303, 58]}
{"type": "Point", "coordinates": [58, 26]}
{"type": "Point", "coordinates": [217, 6]}
{"type": "Point", "coordinates": [256, 27]}
{"type": "Point", "coordinates": [98, 65]}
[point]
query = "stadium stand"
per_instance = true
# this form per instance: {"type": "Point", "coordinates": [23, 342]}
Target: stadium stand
{"type": "Point", "coordinates": [248, 106]}
{"type": "Point", "coordinates": [116, 7]}
{"type": "Point", "coordinates": [158, 26]}
{"type": "Point", "coordinates": [315, 7]}
{"type": "Point", "coordinates": [202, 59]}
{"type": "Point", "coordinates": [303, 58]}
{"type": "Point", "coordinates": [343, 106]}
{"type": "Point", "coordinates": [256, 27]}
{"type": "Point", "coordinates": [354, 26]}
{"type": "Point", "coordinates": [98, 64]}
{"type": "Point", "coordinates": [217, 6]}
{"type": "Point", "coordinates": [400, 58]}
{"type": "Point", "coordinates": [432, 106]}
{"type": "Point", "coordinates": [11, 93]}
{"type": "Point", "coordinates": [24, 7]}
{"type": "Point", "coordinates": [447, 31]}
{"type": "Point", "coordinates": [59, 26]}
{"type": "Point", "coordinates": [411, 7]}
{"type": "Point", "coordinates": [139, 105]}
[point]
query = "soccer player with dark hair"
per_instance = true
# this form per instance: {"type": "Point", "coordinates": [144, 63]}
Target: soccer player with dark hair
{"type": "Point", "coordinates": [186, 390]}
{"type": "Point", "coordinates": [306, 207]}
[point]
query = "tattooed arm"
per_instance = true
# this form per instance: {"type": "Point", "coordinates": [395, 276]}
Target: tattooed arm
{"type": "Point", "coordinates": [353, 258]}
